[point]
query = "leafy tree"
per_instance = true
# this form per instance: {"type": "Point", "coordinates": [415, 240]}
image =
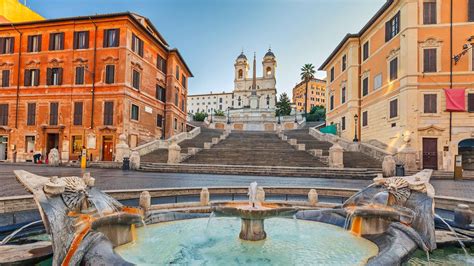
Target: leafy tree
{"type": "Point", "coordinates": [317, 113]}
{"type": "Point", "coordinates": [307, 74]}
{"type": "Point", "coordinates": [219, 113]}
{"type": "Point", "coordinates": [283, 105]}
{"type": "Point", "coordinates": [200, 116]}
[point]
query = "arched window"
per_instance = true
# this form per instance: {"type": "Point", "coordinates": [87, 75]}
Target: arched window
{"type": "Point", "coordinates": [241, 73]}
{"type": "Point", "coordinates": [269, 71]}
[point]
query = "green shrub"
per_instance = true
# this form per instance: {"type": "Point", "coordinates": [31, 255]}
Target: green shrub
{"type": "Point", "coordinates": [219, 113]}
{"type": "Point", "coordinates": [199, 116]}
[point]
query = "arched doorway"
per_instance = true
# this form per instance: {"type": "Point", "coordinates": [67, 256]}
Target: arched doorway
{"type": "Point", "coordinates": [466, 149]}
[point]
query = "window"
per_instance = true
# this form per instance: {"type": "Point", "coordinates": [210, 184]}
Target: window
{"type": "Point", "coordinates": [365, 51]}
{"type": "Point", "coordinates": [111, 38]}
{"type": "Point", "coordinates": [429, 60]}
{"type": "Point", "coordinates": [161, 64]}
{"type": "Point", "coordinates": [135, 112]}
{"type": "Point", "coordinates": [5, 78]}
{"type": "Point", "coordinates": [56, 41]}
{"type": "Point", "coordinates": [365, 119]}
{"type": "Point", "coordinates": [160, 93]}
{"type": "Point", "coordinates": [81, 40]}
{"type": "Point", "coordinates": [344, 62]}
{"type": "Point", "coordinates": [137, 45]}
{"type": "Point", "coordinates": [332, 74]}
{"type": "Point", "coordinates": [365, 86]}
{"type": "Point", "coordinates": [177, 72]}
{"type": "Point", "coordinates": [394, 69]}
{"type": "Point", "coordinates": [429, 12]}
{"type": "Point", "coordinates": [175, 124]}
{"type": "Point", "coordinates": [110, 74]}
{"type": "Point", "coordinates": [430, 103]}
{"type": "Point", "coordinates": [378, 81]}
{"type": "Point", "coordinates": [6, 45]}
{"type": "Point", "coordinates": [159, 120]}
{"type": "Point", "coordinates": [470, 11]}
{"type": "Point", "coordinates": [78, 106]}
{"type": "Point", "coordinates": [183, 105]}
{"type": "Point", "coordinates": [34, 43]}
{"type": "Point", "coordinates": [30, 143]}
{"type": "Point", "coordinates": [470, 102]}
{"type": "Point", "coordinates": [108, 113]}
{"type": "Point", "coordinates": [4, 114]}
{"type": "Point", "coordinates": [77, 144]}
{"type": "Point", "coordinates": [54, 76]}
{"type": "Point", "coordinates": [183, 80]}
{"type": "Point", "coordinates": [269, 71]}
{"type": "Point", "coordinates": [176, 99]}
{"type": "Point", "coordinates": [80, 75]}
{"type": "Point", "coordinates": [31, 114]}
{"type": "Point", "coordinates": [331, 102]}
{"type": "Point", "coordinates": [136, 79]}
{"type": "Point", "coordinates": [343, 123]}
{"type": "Point", "coordinates": [394, 108]}
{"type": "Point", "coordinates": [392, 27]}
{"type": "Point", "coordinates": [343, 95]}
{"type": "Point", "coordinates": [31, 77]}
{"type": "Point", "coordinates": [53, 114]}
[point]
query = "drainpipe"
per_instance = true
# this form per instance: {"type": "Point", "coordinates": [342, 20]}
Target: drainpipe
{"type": "Point", "coordinates": [93, 72]}
{"type": "Point", "coordinates": [451, 67]}
{"type": "Point", "coordinates": [18, 78]}
{"type": "Point", "coordinates": [359, 93]}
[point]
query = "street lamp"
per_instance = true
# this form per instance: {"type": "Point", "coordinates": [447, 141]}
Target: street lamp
{"type": "Point", "coordinates": [465, 48]}
{"type": "Point", "coordinates": [355, 128]}
{"type": "Point", "coordinates": [279, 120]}
{"type": "Point", "coordinates": [228, 115]}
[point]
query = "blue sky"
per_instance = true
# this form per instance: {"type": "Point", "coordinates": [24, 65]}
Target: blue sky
{"type": "Point", "coordinates": [211, 33]}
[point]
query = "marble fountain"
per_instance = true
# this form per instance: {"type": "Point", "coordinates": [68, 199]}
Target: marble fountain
{"type": "Point", "coordinates": [383, 224]}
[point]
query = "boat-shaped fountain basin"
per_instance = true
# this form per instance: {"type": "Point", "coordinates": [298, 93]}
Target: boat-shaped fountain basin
{"type": "Point", "coordinates": [260, 211]}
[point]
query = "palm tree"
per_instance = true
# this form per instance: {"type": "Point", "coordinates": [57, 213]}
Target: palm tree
{"type": "Point", "coordinates": [307, 74]}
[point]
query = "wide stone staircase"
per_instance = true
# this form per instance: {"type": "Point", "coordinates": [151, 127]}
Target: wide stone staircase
{"type": "Point", "coordinates": [161, 155]}
{"type": "Point", "coordinates": [351, 159]}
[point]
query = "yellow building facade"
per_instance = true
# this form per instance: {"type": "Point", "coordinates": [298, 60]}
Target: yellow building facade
{"type": "Point", "coordinates": [13, 11]}
{"type": "Point", "coordinates": [392, 75]}
{"type": "Point", "coordinates": [316, 94]}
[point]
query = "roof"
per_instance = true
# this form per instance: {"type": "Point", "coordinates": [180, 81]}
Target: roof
{"type": "Point", "coordinates": [211, 94]}
{"type": "Point", "coordinates": [313, 79]}
{"type": "Point", "coordinates": [360, 33]}
{"type": "Point", "coordinates": [133, 16]}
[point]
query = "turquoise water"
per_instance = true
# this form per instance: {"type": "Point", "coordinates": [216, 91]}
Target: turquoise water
{"type": "Point", "coordinates": [445, 256]}
{"type": "Point", "coordinates": [289, 242]}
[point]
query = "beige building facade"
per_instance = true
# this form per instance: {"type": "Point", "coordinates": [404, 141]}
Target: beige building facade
{"type": "Point", "coordinates": [316, 94]}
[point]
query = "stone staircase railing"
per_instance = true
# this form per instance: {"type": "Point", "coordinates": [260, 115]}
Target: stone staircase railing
{"type": "Point", "coordinates": [317, 153]}
{"type": "Point", "coordinates": [164, 144]}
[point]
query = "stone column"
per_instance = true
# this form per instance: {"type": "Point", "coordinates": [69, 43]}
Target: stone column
{"type": "Point", "coordinates": [174, 153]}
{"type": "Point", "coordinates": [121, 149]}
{"type": "Point", "coordinates": [388, 166]}
{"type": "Point", "coordinates": [135, 160]}
{"type": "Point", "coordinates": [336, 156]}
{"type": "Point", "coordinates": [407, 156]}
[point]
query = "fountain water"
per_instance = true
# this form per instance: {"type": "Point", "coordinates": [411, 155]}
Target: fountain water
{"type": "Point", "coordinates": [455, 234]}
{"type": "Point", "coordinates": [12, 235]}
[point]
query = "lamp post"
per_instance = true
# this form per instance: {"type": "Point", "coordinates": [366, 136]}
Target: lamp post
{"type": "Point", "coordinates": [228, 115]}
{"type": "Point", "coordinates": [279, 120]}
{"type": "Point", "coordinates": [355, 128]}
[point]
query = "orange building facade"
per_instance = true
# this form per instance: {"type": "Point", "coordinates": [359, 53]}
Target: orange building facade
{"type": "Point", "coordinates": [83, 81]}
{"type": "Point", "coordinates": [392, 75]}
{"type": "Point", "coordinates": [316, 94]}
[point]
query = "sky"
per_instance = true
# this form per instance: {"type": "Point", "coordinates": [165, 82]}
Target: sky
{"type": "Point", "coordinates": [210, 34]}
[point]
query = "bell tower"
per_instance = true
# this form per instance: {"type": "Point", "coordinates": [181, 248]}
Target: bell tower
{"type": "Point", "coordinates": [241, 67]}
{"type": "Point", "coordinates": [269, 65]}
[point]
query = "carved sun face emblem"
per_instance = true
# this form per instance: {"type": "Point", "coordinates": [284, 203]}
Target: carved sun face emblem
{"type": "Point", "coordinates": [75, 194]}
{"type": "Point", "coordinates": [398, 188]}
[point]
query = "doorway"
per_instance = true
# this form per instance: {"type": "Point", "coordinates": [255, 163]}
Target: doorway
{"type": "Point", "coordinates": [430, 153]}
{"type": "Point", "coordinates": [52, 142]}
{"type": "Point", "coordinates": [3, 148]}
{"type": "Point", "coordinates": [466, 149]}
{"type": "Point", "coordinates": [107, 148]}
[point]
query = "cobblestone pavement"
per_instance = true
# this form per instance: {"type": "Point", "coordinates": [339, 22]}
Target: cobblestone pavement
{"type": "Point", "coordinates": [109, 179]}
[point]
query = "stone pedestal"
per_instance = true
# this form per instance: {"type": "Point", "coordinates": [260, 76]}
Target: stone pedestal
{"type": "Point", "coordinates": [135, 160]}
{"type": "Point", "coordinates": [254, 101]}
{"type": "Point", "coordinates": [215, 141]}
{"type": "Point", "coordinates": [313, 197]}
{"type": "Point", "coordinates": [407, 156]}
{"type": "Point", "coordinates": [336, 156]}
{"type": "Point", "coordinates": [145, 200]}
{"type": "Point", "coordinates": [207, 145]}
{"type": "Point", "coordinates": [121, 149]}
{"type": "Point", "coordinates": [252, 230]}
{"type": "Point", "coordinates": [174, 153]}
{"type": "Point", "coordinates": [53, 157]}
{"type": "Point", "coordinates": [292, 141]}
{"type": "Point", "coordinates": [388, 166]}
{"type": "Point", "coordinates": [204, 196]}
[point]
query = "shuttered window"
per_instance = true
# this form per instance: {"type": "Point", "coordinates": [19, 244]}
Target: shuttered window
{"type": "Point", "coordinates": [137, 45]}
{"type": "Point", "coordinates": [81, 40]}
{"type": "Point", "coordinates": [161, 64]}
{"type": "Point", "coordinates": [54, 76]}
{"type": "Point", "coordinates": [108, 113]}
{"type": "Point", "coordinates": [31, 114]}
{"type": "Point", "coordinates": [34, 43]}
{"type": "Point", "coordinates": [3, 114]}
{"type": "Point", "coordinates": [331, 102]}
{"type": "Point", "coordinates": [134, 114]}
{"type": "Point", "coordinates": [5, 78]}
{"type": "Point", "coordinates": [392, 27]}
{"type": "Point", "coordinates": [429, 12]}
{"type": "Point", "coordinates": [470, 11]}
{"type": "Point", "coordinates": [343, 123]}
{"type": "Point", "coordinates": [109, 74]}
{"type": "Point", "coordinates": [177, 72]}
{"type": "Point", "coordinates": [365, 51]}
{"type": "Point", "coordinates": [365, 119]}
{"type": "Point", "coordinates": [7, 45]}
{"type": "Point", "coordinates": [332, 74]}
{"type": "Point", "coordinates": [56, 41]}
{"type": "Point", "coordinates": [32, 77]}
{"type": "Point", "coordinates": [429, 60]}
{"type": "Point", "coordinates": [470, 102]}
{"type": "Point", "coordinates": [53, 114]}
{"type": "Point", "coordinates": [176, 99]}
{"type": "Point", "coordinates": [160, 93]}
{"type": "Point", "coordinates": [78, 110]}
{"type": "Point", "coordinates": [394, 108]}
{"type": "Point", "coordinates": [343, 95]}
{"type": "Point", "coordinates": [365, 86]}
{"type": "Point", "coordinates": [394, 69]}
{"type": "Point", "coordinates": [111, 38]}
{"type": "Point", "coordinates": [80, 75]}
{"type": "Point", "coordinates": [344, 62]}
{"type": "Point", "coordinates": [159, 120]}
{"type": "Point", "coordinates": [430, 103]}
{"type": "Point", "coordinates": [136, 79]}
